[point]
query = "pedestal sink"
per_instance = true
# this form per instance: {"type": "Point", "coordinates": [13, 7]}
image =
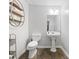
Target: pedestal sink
{"type": "Point", "coordinates": [53, 35]}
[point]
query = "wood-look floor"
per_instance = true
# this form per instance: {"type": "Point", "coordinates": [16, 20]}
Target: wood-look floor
{"type": "Point", "coordinates": [45, 53]}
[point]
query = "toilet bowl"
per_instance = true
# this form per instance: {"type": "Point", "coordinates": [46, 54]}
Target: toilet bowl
{"type": "Point", "coordinates": [32, 48]}
{"type": "Point", "coordinates": [33, 45]}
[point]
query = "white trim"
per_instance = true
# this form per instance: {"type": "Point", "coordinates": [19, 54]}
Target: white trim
{"type": "Point", "coordinates": [47, 46]}
{"type": "Point", "coordinates": [21, 53]}
{"type": "Point", "coordinates": [65, 52]}
{"type": "Point", "coordinates": [44, 47]}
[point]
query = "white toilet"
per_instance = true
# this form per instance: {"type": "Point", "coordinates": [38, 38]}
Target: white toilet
{"type": "Point", "coordinates": [33, 45]}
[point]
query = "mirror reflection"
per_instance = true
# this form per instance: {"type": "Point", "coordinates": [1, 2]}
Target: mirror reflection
{"type": "Point", "coordinates": [53, 23]}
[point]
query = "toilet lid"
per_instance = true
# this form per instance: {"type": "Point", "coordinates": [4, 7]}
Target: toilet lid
{"type": "Point", "coordinates": [33, 43]}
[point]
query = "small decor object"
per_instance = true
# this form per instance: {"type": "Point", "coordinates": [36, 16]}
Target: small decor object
{"type": "Point", "coordinates": [16, 13]}
{"type": "Point", "coordinates": [12, 46]}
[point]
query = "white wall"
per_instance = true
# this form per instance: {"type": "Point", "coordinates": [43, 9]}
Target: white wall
{"type": "Point", "coordinates": [38, 23]}
{"type": "Point", "coordinates": [65, 30]}
{"type": "Point", "coordinates": [48, 2]}
{"type": "Point", "coordinates": [65, 26]}
{"type": "Point", "coordinates": [21, 32]}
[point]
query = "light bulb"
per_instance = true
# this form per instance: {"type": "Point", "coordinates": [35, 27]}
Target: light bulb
{"type": "Point", "coordinates": [56, 12]}
{"type": "Point", "coordinates": [51, 11]}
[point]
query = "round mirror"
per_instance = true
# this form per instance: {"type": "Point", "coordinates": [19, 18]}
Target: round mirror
{"type": "Point", "coordinates": [16, 13]}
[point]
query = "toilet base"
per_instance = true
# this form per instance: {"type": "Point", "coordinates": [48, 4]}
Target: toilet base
{"type": "Point", "coordinates": [32, 53]}
{"type": "Point", "coordinates": [53, 49]}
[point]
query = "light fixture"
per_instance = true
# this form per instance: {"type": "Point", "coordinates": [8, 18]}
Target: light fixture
{"type": "Point", "coordinates": [56, 12]}
{"type": "Point", "coordinates": [53, 12]}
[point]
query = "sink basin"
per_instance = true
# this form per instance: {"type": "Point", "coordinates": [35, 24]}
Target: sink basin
{"type": "Point", "coordinates": [53, 33]}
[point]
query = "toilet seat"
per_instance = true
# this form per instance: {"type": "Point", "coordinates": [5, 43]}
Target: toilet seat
{"type": "Point", "coordinates": [32, 44]}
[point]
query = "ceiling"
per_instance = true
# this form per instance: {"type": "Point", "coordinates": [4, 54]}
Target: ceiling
{"type": "Point", "coordinates": [47, 2]}
{"type": "Point", "coordinates": [62, 3]}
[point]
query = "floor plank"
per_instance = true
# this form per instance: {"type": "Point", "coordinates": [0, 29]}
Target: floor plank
{"type": "Point", "coordinates": [45, 53]}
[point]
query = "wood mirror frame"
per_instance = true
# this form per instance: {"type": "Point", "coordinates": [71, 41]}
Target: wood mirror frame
{"type": "Point", "coordinates": [16, 13]}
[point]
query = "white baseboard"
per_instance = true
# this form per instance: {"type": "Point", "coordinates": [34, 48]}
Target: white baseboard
{"type": "Point", "coordinates": [65, 52]}
{"type": "Point", "coordinates": [21, 53]}
{"type": "Point", "coordinates": [44, 47]}
{"type": "Point", "coordinates": [48, 46]}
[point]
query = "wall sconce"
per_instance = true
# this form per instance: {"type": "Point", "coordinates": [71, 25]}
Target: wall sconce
{"type": "Point", "coordinates": [53, 12]}
{"type": "Point", "coordinates": [56, 12]}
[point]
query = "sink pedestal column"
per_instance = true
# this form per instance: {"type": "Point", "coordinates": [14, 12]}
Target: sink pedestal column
{"type": "Point", "coordinates": [53, 48]}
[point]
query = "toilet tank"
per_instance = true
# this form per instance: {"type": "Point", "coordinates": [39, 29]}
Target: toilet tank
{"type": "Point", "coordinates": [36, 36]}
